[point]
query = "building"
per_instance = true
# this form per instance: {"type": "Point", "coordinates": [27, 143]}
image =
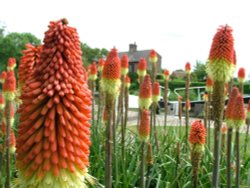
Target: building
{"type": "Point", "coordinates": [134, 56]}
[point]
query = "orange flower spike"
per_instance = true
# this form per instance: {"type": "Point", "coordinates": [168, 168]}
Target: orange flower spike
{"type": "Point", "coordinates": [9, 87]}
{"type": "Point", "coordinates": [230, 106]}
{"type": "Point", "coordinates": [238, 112]}
{"type": "Point", "coordinates": [142, 67]}
{"type": "Point", "coordinates": [188, 68]}
{"type": "Point", "coordinates": [198, 135]}
{"type": "Point", "coordinates": [144, 127]}
{"type": "Point", "coordinates": [127, 81]}
{"type": "Point", "coordinates": [11, 63]}
{"type": "Point", "coordinates": [2, 103]}
{"type": "Point", "coordinates": [101, 63]}
{"type": "Point", "coordinates": [3, 77]}
{"type": "Point", "coordinates": [166, 74]}
{"type": "Point", "coordinates": [241, 75]}
{"type": "Point", "coordinates": [124, 64]}
{"type": "Point", "coordinates": [224, 128]}
{"type": "Point", "coordinates": [92, 71]}
{"type": "Point", "coordinates": [179, 98]}
{"type": "Point", "coordinates": [111, 74]}
{"type": "Point", "coordinates": [145, 93]}
{"type": "Point", "coordinates": [248, 109]}
{"type": "Point", "coordinates": [221, 66]}
{"type": "Point", "coordinates": [209, 84]}
{"type": "Point", "coordinates": [156, 92]}
{"type": "Point", "coordinates": [54, 116]}
{"type": "Point", "coordinates": [153, 58]}
{"type": "Point", "coordinates": [205, 97]}
{"type": "Point", "coordinates": [28, 61]}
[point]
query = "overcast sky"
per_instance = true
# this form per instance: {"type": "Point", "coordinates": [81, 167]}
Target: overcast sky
{"type": "Point", "coordinates": [179, 30]}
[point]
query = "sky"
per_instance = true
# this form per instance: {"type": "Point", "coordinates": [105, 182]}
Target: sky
{"type": "Point", "coordinates": [179, 30]}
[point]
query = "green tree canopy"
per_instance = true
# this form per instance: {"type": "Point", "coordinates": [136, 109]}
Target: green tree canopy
{"type": "Point", "coordinates": [92, 54]}
{"type": "Point", "coordinates": [13, 44]}
{"type": "Point", "coordinates": [199, 72]}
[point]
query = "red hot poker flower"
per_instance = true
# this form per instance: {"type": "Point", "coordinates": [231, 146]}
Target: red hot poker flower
{"type": "Point", "coordinates": [238, 112]}
{"type": "Point", "coordinates": [53, 132]}
{"type": "Point", "coordinates": [100, 64]}
{"type": "Point", "coordinates": [197, 133]}
{"type": "Point", "coordinates": [166, 74]}
{"type": "Point", "coordinates": [153, 58]}
{"type": "Point", "coordinates": [92, 71]}
{"type": "Point", "coordinates": [9, 87]}
{"type": "Point", "coordinates": [144, 127]}
{"type": "Point", "coordinates": [111, 73]}
{"type": "Point", "coordinates": [224, 128]}
{"type": "Point", "coordinates": [156, 92]}
{"type": "Point", "coordinates": [11, 63]}
{"type": "Point", "coordinates": [30, 58]}
{"type": "Point", "coordinates": [220, 66]}
{"type": "Point", "coordinates": [145, 93]}
{"type": "Point", "coordinates": [241, 75]}
{"type": "Point", "coordinates": [124, 64]}
{"type": "Point", "coordinates": [142, 67]}
{"type": "Point", "coordinates": [209, 84]}
{"type": "Point", "coordinates": [230, 106]}
{"type": "Point", "coordinates": [127, 81]}
{"type": "Point", "coordinates": [12, 142]}
{"type": "Point", "coordinates": [188, 68]}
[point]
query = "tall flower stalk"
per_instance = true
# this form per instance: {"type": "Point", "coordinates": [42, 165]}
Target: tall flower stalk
{"type": "Point", "coordinates": [180, 114]}
{"type": "Point", "coordinates": [100, 98]}
{"type": "Point", "coordinates": [229, 121]}
{"type": "Point", "coordinates": [53, 132]}
{"type": "Point", "coordinates": [197, 139]}
{"type": "Point", "coordinates": [188, 72]}
{"type": "Point", "coordinates": [92, 76]}
{"type": "Point", "coordinates": [165, 97]}
{"type": "Point", "coordinates": [9, 93]}
{"type": "Point", "coordinates": [239, 117]}
{"type": "Point", "coordinates": [220, 68]}
{"type": "Point", "coordinates": [110, 84]}
{"type": "Point", "coordinates": [153, 59]}
{"type": "Point", "coordinates": [144, 132]}
{"type": "Point", "coordinates": [155, 99]}
{"type": "Point", "coordinates": [209, 89]}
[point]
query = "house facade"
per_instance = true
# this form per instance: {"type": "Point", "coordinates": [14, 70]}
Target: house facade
{"type": "Point", "coordinates": [134, 56]}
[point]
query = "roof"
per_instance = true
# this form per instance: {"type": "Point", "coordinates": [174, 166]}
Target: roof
{"type": "Point", "coordinates": [135, 56]}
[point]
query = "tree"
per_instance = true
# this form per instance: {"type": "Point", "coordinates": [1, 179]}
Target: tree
{"type": "Point", "coordinates": [92, 54]}
{"type": "Point", "coordinates": [199, 73]}
{"type": "Point", "coordinates": [13, 44]}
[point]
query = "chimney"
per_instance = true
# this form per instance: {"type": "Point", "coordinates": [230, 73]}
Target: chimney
{"type": "Point", "coordinates": [132, 47]}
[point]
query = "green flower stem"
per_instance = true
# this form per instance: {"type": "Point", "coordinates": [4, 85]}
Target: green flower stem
{"type": "Point", "coordinates": [100, 101]}
{"type": "Point", "coordinates": [218, 110]}
{"type": "Point", "coordinates": [166, 108]}
{"type": "Point", "coordinates": [209, 118]}
{"type": "Point", "coordinates": [110, 99]}
{"type": "Point", "coordinates": [229, 142]}
{"type": "Point", "coordinates": [180, 117]}
{"type": "Point", "coordinates": [237, 137]}
{"type": "Point", "coordinates": [8, 128]}
{"type": "Point", "coordinates": [154, 125]}
{"type": "Point", "coordinates": [142, 170]}
{"type": "Point", "coordinates": [186, 106]}
{"type": "Point", "coordinates": [246, 138]}
{"type": "Point", "coordinates": [196, 160]}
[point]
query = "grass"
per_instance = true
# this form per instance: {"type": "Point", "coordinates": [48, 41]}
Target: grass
{"type": "Point", "coordinates": [172, 165]}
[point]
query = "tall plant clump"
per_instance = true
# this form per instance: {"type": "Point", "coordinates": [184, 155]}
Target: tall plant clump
{"type": "Point", "coordinates": [188, 72]}
{"type": "Point", "coordinates": [110, 84]}
{"type": "Point", "coordinates": [220, 68]}
{"type": "Point", "coordinates": [53, 142]}
{"type": "Point", "coordinates": [230, 123]}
